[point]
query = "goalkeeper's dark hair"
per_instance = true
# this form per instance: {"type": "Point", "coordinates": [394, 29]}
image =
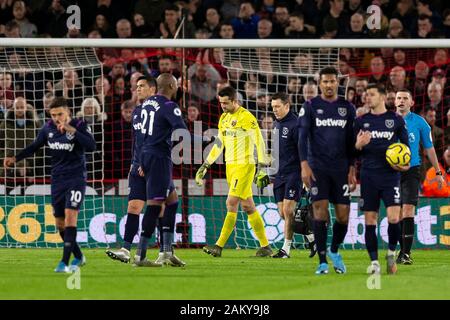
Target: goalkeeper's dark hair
{"type": "Point", "coordinates": [58, 102]}
{"type": "Point", "coordinates": [281, 96]}
{"type": "Point", "coordinates": [229, 92]}
{"type": "Point", "coordinates": [150, 81]}
{"type": "Point", "coordinates": [328, 70]}
{"type": "Point", "coordinates": [380, 88]}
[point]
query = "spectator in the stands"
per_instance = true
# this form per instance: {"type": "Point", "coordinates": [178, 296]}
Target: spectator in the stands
{"type": "Point", "coordinates": [12, 29]}
{"type": "Point", "coordinates": [123, 29]}
{"type": "Point", "coordinates": [102, 25]}
{"type": "Point", "coordinates": [424, 7]}
{"type": "Point", "coordinates": [406, 13]}
{"type": "Point", "coordinates": [437, 133]}
{"type": "Point", "coordinates": [27, 29]}
{"type": "Point", "coordinates": [377, 68]}
{"type": "Point", "coordinates": [246, 24]}
{"type": "Point", "coordinates": [396, 30]}
{"type": "Point", "coordinates": [446, 22]}
{"type": "Point", "coordinates": [120, 148]}
{"type": "Point", "coordinates": [310, 90]}
{"type": "Point", "coordinates": [212, 22]}
{"type": "Point", "coordinates": [7, 94]}
{"type": "Point", "coordinates": [296, 28]}
{"type": "Point", "coordinates": [357, 28]}
{"type": "Point", "coordinates": [71, 88]}
{"type": "Point", "coordinates": [141, 29]}
{"type": "Point", "coordinates": [420, 78]}
{"type": "Point", "coordinates": [280, 20]}
{"type": "Point", "coordinates": [425, 28]}
{"type": "Point", "coordinates": [226, 31]}
{"type": "Point", "coordinates": [337, 12]}
{"type": "Point", "coordinates": [172, 20]}
{"type": "Point", "coordinates": [437, 102]}
{"type": "Point", "coordinates": [397, 79]}
{"type": "Point", "coordinates": [204, 79]}
{"type": "Point", "coordinates": [264, 29]}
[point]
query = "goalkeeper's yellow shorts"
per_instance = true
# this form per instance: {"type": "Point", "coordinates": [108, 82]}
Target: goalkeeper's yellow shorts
{"type": "Point", "coordinates": [240, 179]}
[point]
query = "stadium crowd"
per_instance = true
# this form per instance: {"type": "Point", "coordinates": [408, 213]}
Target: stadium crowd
{"type": "Point", "coordinates": [107, 101]}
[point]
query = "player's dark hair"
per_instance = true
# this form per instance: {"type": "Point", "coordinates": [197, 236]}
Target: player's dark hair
{"type": "Point", "coordinates": [229, 92]}
{"type": "Point", "coordinates": [380, 88]}
{"type": "Point", "coordinates": [58, 102]}
{"type": "Point", "coordinates": [328, 70]}
{"type": "Point", "coordinates": [150, 81]}
{"type": "Point", "coordinates": [281, 96]}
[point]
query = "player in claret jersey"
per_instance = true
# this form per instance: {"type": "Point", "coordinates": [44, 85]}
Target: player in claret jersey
{"type": "Point", "coordinates": [159, 118]}
{"type": "Point", "coordinates": [68, 139]}
{"type": "Point", "coordinates": [374, 132]}
{"type": "Point", "coordinates": [326, 155]}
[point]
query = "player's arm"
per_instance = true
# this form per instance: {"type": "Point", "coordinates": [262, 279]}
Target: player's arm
{"type": "Point", "coordinates": [261, 178]}
{"type": "Point", "coordinates": [82, 135]}
{"type": "Point", "coordinates": [402, 134]}
{"type": "Point", "coordinates": [38, 143]}
{"type": "Point", "coordinates": [427, 142]}
{"type": "Point", "coordinates": [351, 154]}
{"type": "Point", "coordinates": [212, 156]}
{"type": "Point", "coordinates": [304, 127]}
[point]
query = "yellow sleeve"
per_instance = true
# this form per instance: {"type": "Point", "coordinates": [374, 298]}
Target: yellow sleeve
{"type": "Point", "coordinates": [257, 139]}
{"type": "Point", "coordinates": [218, 146]}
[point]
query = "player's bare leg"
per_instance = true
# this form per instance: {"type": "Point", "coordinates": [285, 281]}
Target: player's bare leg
{"type": "Point", "coordinates": [393, 214]}
{"type": "Point", "coordinates": [407, 236]}
{"type": "Point", "coordinates": [340, 227]}
{"type": "Point", "coordinates": [371, 239]}
{"type": "Point", "coordinates": [134, 209]}
{"type": "Point", "coordinates": [286, 209]}
{"type": "Point", "coordinates": [257, 224]}
{"type": "Point", "coordinates": [321, 217]}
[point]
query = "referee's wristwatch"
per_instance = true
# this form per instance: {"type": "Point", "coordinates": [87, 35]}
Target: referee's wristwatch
{"type": "Point", "coordinates": [439, 173]}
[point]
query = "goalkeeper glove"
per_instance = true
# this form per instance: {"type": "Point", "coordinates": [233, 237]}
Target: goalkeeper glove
{"type": "Point", "coordinates": [201, 173]}
{"type": "Point", "coordinates": [262, 179]}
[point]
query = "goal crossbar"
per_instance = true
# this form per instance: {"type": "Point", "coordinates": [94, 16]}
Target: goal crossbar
{"type": "Point", "coordinates": [228, 43]}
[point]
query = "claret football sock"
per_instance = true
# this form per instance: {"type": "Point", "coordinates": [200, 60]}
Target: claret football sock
{"type": "Point", "coordinates": [227, 228]}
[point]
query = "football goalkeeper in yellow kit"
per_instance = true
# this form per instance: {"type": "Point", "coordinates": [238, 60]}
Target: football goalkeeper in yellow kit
{"type": "Point", "coordinates": [239, 134]}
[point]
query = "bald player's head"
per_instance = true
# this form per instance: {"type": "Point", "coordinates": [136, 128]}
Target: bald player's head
{"type": "Point", "coordinates": [167, 85]}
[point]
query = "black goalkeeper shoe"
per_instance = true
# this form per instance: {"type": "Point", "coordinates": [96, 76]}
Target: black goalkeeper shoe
{"type": "Point", "coordinates": [215, 250]}
{"type": "Point", "coordinates": [399, 257]}
{"type": "Point", "coordinates": [312, 249]}
{"type": "Point", "coordinates": [281, 254]}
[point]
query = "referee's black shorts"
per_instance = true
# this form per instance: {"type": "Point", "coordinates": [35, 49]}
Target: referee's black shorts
{"type": "Point", "coordinates": [409, 186]}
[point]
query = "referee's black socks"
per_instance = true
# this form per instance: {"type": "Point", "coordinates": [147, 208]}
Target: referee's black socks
{"type": "Point", "coordinates": [407, 234]}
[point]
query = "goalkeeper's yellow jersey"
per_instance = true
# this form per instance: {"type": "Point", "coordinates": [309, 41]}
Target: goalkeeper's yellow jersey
{"type": "Point", "coordinates": [239, 134]}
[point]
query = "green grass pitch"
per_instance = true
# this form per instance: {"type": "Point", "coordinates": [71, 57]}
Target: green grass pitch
{"type": "Point", "coordinates": [28, 274]}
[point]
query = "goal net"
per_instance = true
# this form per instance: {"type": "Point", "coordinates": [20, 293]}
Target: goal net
{"type": "Point", "coordinates": [29, 79]}
{"type": "Point", "coordinates": [109, 76]}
